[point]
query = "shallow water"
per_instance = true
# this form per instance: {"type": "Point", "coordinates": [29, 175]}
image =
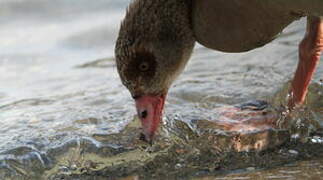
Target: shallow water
{"type": "Point", "coordinates": [62, 106]}
{"type": "Point", "coordinates": [299, 170]}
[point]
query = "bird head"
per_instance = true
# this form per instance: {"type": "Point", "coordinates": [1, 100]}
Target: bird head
{"type": "Point", "coordinates": [152, 49]}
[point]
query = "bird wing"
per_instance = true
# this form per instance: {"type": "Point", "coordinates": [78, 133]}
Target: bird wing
{"type": "Point", "coordinates": [242, 25]}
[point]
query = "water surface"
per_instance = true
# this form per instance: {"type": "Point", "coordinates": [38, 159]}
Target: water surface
{"type": "Point", "coordinates": [62, 106]}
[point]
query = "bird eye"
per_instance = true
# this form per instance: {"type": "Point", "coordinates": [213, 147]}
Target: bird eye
{"type": "Point", "coordinates": [144, 66]}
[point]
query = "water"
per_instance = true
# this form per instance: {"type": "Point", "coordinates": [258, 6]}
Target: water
{"type": "Point", "coordinates": [64, 110]}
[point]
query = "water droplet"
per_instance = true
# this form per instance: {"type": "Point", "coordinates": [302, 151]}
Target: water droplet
{"type": "Point", "coordinates": [178, 166]}
{"type": "Point", "coordinates": [295, 136]}
{"type": "Point", "coordinates": [291, 151]}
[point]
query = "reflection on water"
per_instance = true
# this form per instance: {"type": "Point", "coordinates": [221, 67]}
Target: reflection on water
{"type": "Point", "coordinates": [64, 112]}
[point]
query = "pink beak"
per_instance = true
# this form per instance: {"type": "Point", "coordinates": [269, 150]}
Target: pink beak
{"type": "Point", "coordinates": [150, 110]}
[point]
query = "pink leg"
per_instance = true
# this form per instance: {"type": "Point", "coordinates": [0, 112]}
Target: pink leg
{"type": "Point", "coordinates": [244, 120]}
{"type": "Point", "coordinates": [309, 55]}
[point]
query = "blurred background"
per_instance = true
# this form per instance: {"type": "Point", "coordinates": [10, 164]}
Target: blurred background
{"type": "Point", "coordinates": [45, 79]}
{"type": "Point", "coordinates": [59, 83]}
